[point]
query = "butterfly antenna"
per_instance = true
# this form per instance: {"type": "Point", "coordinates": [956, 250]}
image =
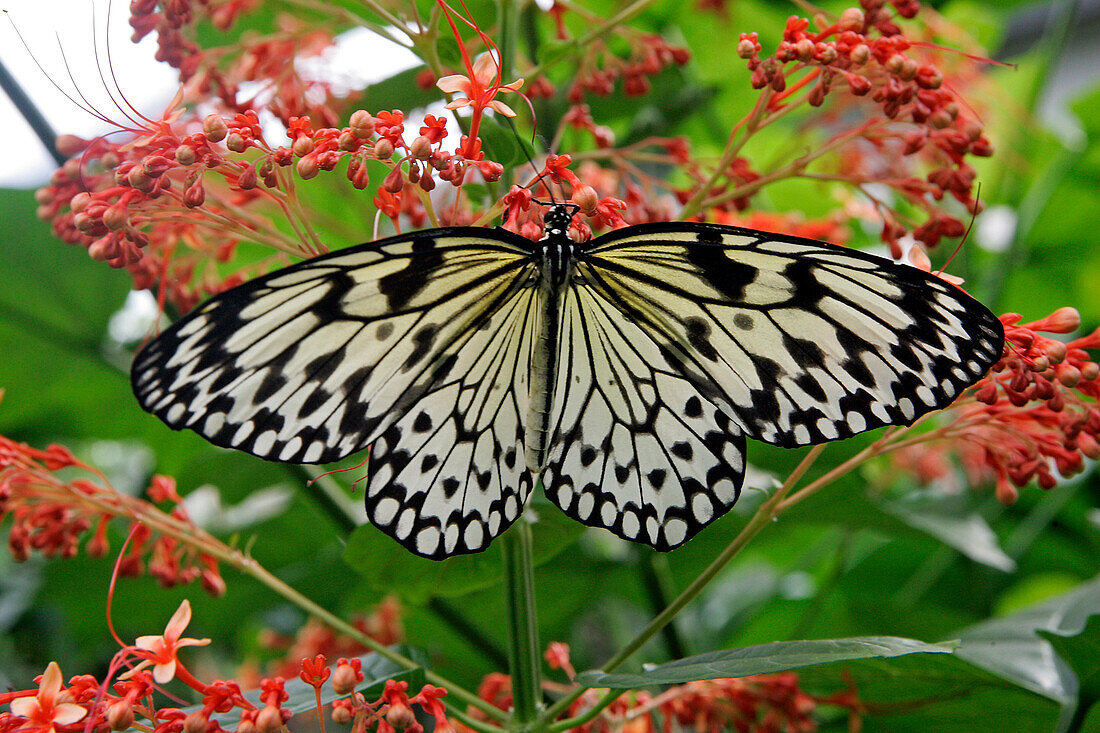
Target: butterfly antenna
{"type": "Point", "coordinates": [966, 234]}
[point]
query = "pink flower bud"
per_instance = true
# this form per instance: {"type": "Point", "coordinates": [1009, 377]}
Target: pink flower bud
{"type": "Point", "coordinates": [303, 146]}
{"type": "Point", "coordinates": [860, 54]}
{"type": "Point", "coordinates": [156, 166]}
{"type": "Point", "coordinates": [120, 716]}
{"type": "Point", "coordinates": [585, 197]}
{"type": "Point", "coordinates": [383, 149]}
{"type": "Point", "coordinates": [746, 49]}
{"type": "Point", "coordinates": [115, 217]}
{"type": "Point", "coordinates": [236, 142]}
{"type": "Point", "coordinates": [269, 720]}
{"type": "Point", "coordinates": [139, 179]}
{"type": "Point", "coordinates": [195, 722]}
{"type": "Point", "coordinates": [362, 124]}
{"type": "Point", "coordinates": [214, 127]}
{"type": "Point", "coordinates": [307, 167]}
{"type": "Point", "coordinates": [194, 195]}
{"type": "Point", "coordinates": [420, 148]}
{"type": "Point", "coordinates": [357, 172]}
{"type": "Point", "coordinates": [347, 141]}
{"type": "Point", "coordinates": [393, 181]}
{"type": "Point", "coordinates": [400, 716]}
{"type": "Point", "coordinates": [248, 179]}
{"type": "Point", "coordinates": [70, 145]}
{"type": "Point", "coordinates": [80, 201]}
{"type": "Point", "coordinates": [185, 155]}
{"type": "Point", "coordinates": [345, 678]}
{"type": "Point", "coordinates": [851, 20]}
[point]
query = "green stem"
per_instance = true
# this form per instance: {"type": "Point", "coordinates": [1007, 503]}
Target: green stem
{"type": "Point", "coordinates": [523, 635]}
{"type": "Point", "coordinates": [656, 582]}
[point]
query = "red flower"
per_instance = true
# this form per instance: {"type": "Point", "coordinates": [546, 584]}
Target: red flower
{"type": "Point", "coordinates": [43, 711]}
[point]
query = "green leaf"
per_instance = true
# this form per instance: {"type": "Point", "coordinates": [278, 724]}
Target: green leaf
{"type": "Point", "coordinates": [951, 520]}
{"type": "Point", "coordinates": [764, 659]}
{"type": "Point", "coordinates": [1010, 647]}
{"type": "Point", "coordinates": [390, 568]}
{"type": "Point", "coordinates": [1081, 652]}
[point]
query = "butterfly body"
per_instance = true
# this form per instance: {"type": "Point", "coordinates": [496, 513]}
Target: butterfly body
{"type": "Point", "coordinates": [625, 372]}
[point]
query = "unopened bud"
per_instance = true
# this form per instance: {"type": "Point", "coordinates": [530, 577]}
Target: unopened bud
{"type": "Point", "coordinates": [214, 127]}
{"type": "Point", "coordinates": [860, 54]}
{"type": "Point", "coordinates": [80, 201]}
{"type": "Point", "coordinates": [70, 145]}
{"type": "Point", "coordinates": [120, 715]}
{"type": "Point", "coordinates": [139, 180]}
{"type": "Point", "coordinates": [347, 141]}
{"type": "Point", "coordinates": [235, 141]}
{"type": "Point", "coordinates": [851, 20]}
{"type": "Point", "coordinates": [362, 124]}
{"type": "Point", "coordinates": [115, 217]}
{"type": "Point", "coordinates": [383, 149]}
{"type": "Point", "coordinates": [248, 179]}
{"type": "Point", "coordinates": [585, 197]}
{"type": "Point", "coordinates": [804, 49]}
{"type": "Point", "coordinates": [156, 166]}
{"type": "Point", "coordinates": [400, 716]}
{"type": "Point", "coordinates": [393, 181]}
{"type": "Point", "coordinates": [895, 63]}
{"type": "Point", "coordinates": [185, 155]}
{"type": "Point", "coordinates": [269, 720]}
{"type": "Point", "coordinates": [194, 195]}
{"type": "Point", "coordinates": [344, 679]}
{"type": "Point", "coordinates": [196, 722]}
{"type": "Point", "coordinates": [307, 167]}
{"type": "Point", "coordinates": [420, 148]}
{"type": "Point", "coordinates": [303, 146]}
{"type": "Point", "coordinates": [746, 49]}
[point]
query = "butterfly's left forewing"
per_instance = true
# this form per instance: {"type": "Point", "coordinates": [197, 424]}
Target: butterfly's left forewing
{"type": "Point", "coordinates": [388, 340]}
{"type": "Point", "coordinates": [797, 341]}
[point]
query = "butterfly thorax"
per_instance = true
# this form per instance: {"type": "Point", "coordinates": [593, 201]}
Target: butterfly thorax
{"type": "Point", "coordinates": [556, 260]}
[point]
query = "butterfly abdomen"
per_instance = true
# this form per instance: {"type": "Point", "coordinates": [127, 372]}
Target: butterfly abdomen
{"type": "Point", "coordinates": [555, 271]}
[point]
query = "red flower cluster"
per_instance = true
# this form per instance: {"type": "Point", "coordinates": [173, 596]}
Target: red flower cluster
{"type": "Point", "coordinates": [267, 62]}
{"type": "Point", "coordinates": [866, 50]}
{"type": "Point", "coordinates": [85, 704]}
{"type": "Point", "coordinates": [52, 515]}
{"type": "Point", "coordinates": [383, 624]}
{"type": "Point", "coordinates": [1035, 413]}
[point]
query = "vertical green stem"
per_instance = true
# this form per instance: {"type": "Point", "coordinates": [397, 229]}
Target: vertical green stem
{"type": "Point", "coordinates": [523, 635]}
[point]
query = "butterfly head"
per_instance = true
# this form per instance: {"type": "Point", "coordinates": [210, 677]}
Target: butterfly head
{"type": "Point", "coordinates": [557, 220]}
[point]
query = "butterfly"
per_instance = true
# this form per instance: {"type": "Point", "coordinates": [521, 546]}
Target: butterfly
{"type": "Point", "coordinates": [626, 372]}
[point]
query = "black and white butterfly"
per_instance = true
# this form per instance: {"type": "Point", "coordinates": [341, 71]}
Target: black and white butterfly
{"type": "Point", "coordinates": [625, 371]}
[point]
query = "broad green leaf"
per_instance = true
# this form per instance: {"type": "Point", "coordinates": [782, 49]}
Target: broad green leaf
{"type": "Point", "coordinates": [764, 659]}
{"type": "Point", "coordinates": [1010, 647]}
{"type": "Point", "coordinates": [1081, 652]}
{"type": "Point", "coordinates": [953, 521]}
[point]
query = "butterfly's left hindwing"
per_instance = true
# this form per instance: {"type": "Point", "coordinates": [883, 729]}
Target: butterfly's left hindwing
{"type": "Point", "coordinates": [797, 341]}
{"type": "Point", "coordinates": [316, 361]}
